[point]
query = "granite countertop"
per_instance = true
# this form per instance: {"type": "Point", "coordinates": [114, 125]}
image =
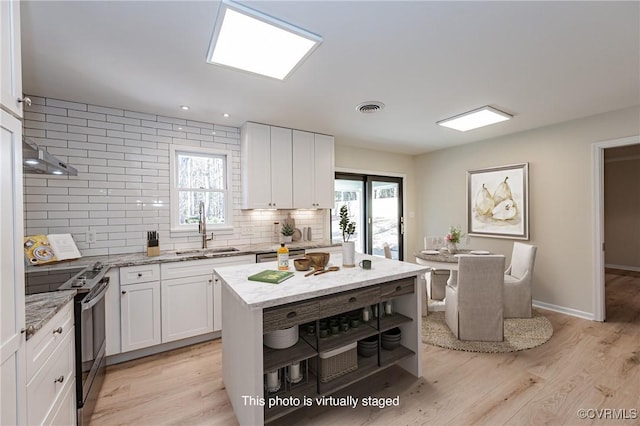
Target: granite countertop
{"type": "Point", "coordinates": [41, 307]}
{"type": "Point", "coordinates": [263, 295]}
{"type": "Point", "coordinates": [134, 259]}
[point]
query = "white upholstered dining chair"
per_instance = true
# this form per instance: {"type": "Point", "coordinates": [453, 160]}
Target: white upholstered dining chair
{"type": "Point", "coordinates": [517, 282]}
{"type": "Point", "coordinates": [473, 308]}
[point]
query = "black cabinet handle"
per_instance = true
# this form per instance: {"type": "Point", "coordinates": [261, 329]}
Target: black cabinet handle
{"type": "Point", "coordinates": [292, 314]}
{"type": "Point", "coordinates": [139, 274]}
{"type": "Point", "coordinates": [399, 288]}
{"type": "Point", "coordinates": [57, 330]}
{"type": "Point", "coordinates": [124, 292]}
{"type": "Point", "coordinates": [59, 379]}
{"type": "Point", "coordinates": [352, 300]}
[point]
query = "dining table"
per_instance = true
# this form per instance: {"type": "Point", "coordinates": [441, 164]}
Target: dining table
{"type": "Point", "coordinates": [444, 259]}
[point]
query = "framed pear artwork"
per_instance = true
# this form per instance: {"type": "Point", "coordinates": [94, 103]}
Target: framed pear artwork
{"type": "Point", "coordinates": [498, 202]}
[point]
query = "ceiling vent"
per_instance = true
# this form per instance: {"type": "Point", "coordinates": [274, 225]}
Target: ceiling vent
{"type": "Point", "coordinates": [369, 107]}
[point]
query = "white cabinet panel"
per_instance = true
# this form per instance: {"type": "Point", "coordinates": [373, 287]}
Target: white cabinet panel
{"type": "Point", "coordinates": [187, 307]}
{"type": "Point", "coordinates": [140, 315]}
{"type": "Point", "coordinates": [112, 313]}
{"type": "Point", "coordinates": [12, 340]}
{"type": "Point", "coordinates": [11, 63]}
{"type": "Point", "coordinates": [266, 166]}
{"type": "Point", "coordinates": [49, 384]}
{"type": "Point", "coordinates": [313, 170]}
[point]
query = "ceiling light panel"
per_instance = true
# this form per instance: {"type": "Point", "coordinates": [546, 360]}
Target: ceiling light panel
{"type": "Point", "coordinates": [252, 41]}
{"type": "Point", "coordinates": [474, 119]}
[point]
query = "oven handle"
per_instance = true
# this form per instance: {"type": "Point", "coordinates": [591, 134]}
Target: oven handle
{"type": "Point", "coordinates": [88, 304]}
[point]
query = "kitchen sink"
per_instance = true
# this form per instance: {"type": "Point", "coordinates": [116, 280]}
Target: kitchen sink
{"type": "Point", "coordinates": [207, 251]}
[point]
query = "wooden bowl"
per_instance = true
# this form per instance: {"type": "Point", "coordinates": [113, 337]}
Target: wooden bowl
{"type": "Point", "coordinates": [302, 264]}
{"type": "Point", "coordinates": [318, 259]}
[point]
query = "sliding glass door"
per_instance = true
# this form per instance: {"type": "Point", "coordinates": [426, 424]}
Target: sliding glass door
{"type": "Point", "coordinates": [375, 204]}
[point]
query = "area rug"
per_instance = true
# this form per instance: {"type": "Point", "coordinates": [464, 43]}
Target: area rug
{"type": "Point", "coordinates": [519, 334]}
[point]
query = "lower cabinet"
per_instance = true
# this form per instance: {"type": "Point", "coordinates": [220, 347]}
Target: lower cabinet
{"type": "Point", "coordinates": [140, 315]}
{"type": "Point", "coordinates": [162, 303]}
{"type": "Point", "coordinates": [187, 307]}
{"type": "Point", "coordinates": [51, 376]}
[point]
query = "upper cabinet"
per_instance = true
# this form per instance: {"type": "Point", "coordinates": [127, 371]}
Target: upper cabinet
{"type": "Point", "coordinates": [285, 169]}
{"type": "Point", "coordinates": [11, 62]}
{"type": "Point", "coordinates": [313, 170]}
{"type": "Point", "coordinates": [266, 158]}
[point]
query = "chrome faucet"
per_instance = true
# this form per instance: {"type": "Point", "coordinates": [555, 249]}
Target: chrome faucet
{"type": "Point", "coordinates": [202, 225]}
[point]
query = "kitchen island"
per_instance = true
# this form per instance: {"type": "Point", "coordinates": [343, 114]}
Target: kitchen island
{"type": "Point", "coordinates": [252, 309]}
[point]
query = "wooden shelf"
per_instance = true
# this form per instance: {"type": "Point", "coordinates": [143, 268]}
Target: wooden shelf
{"type": "Point", "coordinates": [277, 358]}
{"type": "Point", "coordinates": [390, 357]}
{"type": "Point", "coordinates": [344, 338]}
{"type": "Point", "coordinates": [387, 322]}
{"type": "Point", "coordinates": [366, 367]}
{"type": "Point", "coordinates": [299, 391]}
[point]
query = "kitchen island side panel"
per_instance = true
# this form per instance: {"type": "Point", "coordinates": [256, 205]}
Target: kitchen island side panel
{"type": "Point", "coordinates": [242, 357]}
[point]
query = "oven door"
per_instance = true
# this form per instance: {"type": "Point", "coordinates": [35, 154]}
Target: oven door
{"type": "Point", "coordinates": [92, 343]}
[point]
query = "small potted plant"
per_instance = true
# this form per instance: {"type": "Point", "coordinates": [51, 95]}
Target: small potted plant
{"type": "Point", "coordinates": [287, 232]}
{"type": "Point", "coordinates": [348, 228]}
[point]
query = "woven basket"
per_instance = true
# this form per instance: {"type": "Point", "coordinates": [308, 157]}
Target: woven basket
{"type": "Point", "coordinates": [336, 363]}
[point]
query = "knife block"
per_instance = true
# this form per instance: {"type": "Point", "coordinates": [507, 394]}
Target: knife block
{"type": "Point", "coordinates": [153, 251]}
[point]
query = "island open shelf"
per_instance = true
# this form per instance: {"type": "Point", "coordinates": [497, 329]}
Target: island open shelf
{"type": "Point", "coordinates": [250, 309]}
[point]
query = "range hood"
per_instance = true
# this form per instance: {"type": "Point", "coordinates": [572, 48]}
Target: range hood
{"type": "Point", "coordinates": [37, 160]}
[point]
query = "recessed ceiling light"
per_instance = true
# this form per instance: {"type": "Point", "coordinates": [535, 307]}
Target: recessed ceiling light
{"type": "Point", "coordinates": [225, 115]}
{"type": "Point", "coordinates": [184, 107]}
{"type": "Point", "coordinates": [249, 40]}
{"type": "Point", "coordinates": [474, 119]}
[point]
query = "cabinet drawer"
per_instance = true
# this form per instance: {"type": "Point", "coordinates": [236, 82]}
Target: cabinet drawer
{"type": "Point", "coordinates": [51, 381]}
{"type": "Point", "coordinates": [397, 288]}
{"type": "Point", "coordinates": [42, 344]}
{"type": "Point", "coordinates": [289, 315]}
{"type": "Point", "coordinates": [187, 268]}
{"type": "Point", "coordinates": [347, 301]}
{"type": "Point", "coordinates": [139, 274]}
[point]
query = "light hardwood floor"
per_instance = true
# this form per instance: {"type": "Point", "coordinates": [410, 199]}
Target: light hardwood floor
{"type": "Point", "coordinates": [585, 365]}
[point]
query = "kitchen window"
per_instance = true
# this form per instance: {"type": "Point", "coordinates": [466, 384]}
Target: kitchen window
{"type": "Point", "coordinates": [200, 175]}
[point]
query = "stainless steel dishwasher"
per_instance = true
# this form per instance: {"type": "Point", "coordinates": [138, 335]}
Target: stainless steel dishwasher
{"type": "Point", "coordinates": [272, 256]}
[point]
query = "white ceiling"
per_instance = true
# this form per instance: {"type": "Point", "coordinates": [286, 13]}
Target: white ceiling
{"type": "Point", "coordinates": [544, 62]}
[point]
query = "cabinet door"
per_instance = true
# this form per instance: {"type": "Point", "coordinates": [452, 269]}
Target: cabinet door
{"type": "Point", "coordinates": [12, 341]}
{"type": "Point", "coordinates": [187, 307]}
{"type": "Point", "coordinates": [140, 315]}
{"type": "Point", "coordinates": [323, 171]}
{"type": "Point", "coordinates": [255, 155]}
{"type": "Point", "coordinates": [11, 63]}
{"type": "Point", "coordinates": [303, 166]}
{"type": "Point", "coordinates": [281, 168]}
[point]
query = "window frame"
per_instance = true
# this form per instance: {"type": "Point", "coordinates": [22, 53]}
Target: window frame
{"type": "Point", "coordinates": [176, 150]}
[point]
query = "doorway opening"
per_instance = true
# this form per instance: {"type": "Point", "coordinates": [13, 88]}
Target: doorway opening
{"type": "Point", "coordinates": [375, 204]}
{"type": "Point", "coordinates": [599, 238]}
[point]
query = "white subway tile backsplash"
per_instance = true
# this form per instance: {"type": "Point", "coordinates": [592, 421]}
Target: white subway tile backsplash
{"type": "Point", "coordinates": [105, 110]}
{"type": "Point", "coordinates": [122, 188]}
{"type": "Point", "coordinates": [87, 115]}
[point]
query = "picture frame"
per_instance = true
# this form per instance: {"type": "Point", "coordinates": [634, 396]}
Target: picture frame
{"type": "Point", "coordinates": [498, 202]}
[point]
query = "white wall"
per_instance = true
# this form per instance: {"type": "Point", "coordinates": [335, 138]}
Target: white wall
{"type": "Point", "coordinates": [122, 187]}
{"type": "Point", "coordinates": [561, 209]}
{"type": "Point", "coordinates": [349, 158]}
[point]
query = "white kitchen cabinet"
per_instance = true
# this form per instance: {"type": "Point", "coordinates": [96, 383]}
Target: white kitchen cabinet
{"type": "Point", "coordinates": [12, 337]}
{"type": "Point", "coordinates": [313, 168]}
{"type": "Point", "coordinates": [266, 166]}
{"type": "Point", "coordinates": [11, 63]}
{"type": "Point", "coordinates": [140, 315]}
{"type": "Point", "coordinates": [187, 307]}
{"type": "Point", "coordinates": [51, 373]}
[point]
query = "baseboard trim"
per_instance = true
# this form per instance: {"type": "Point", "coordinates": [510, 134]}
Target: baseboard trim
{"type": "Point", "coordinates": [563, 310]}
{"type": "Point", "coordinates": [139, 353]}
{"type": "Point", "coordinates": [623, 267]}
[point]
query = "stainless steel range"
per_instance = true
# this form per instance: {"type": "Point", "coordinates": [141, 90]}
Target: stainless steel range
{"type": "Point", "coordinates": [89, 315]}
